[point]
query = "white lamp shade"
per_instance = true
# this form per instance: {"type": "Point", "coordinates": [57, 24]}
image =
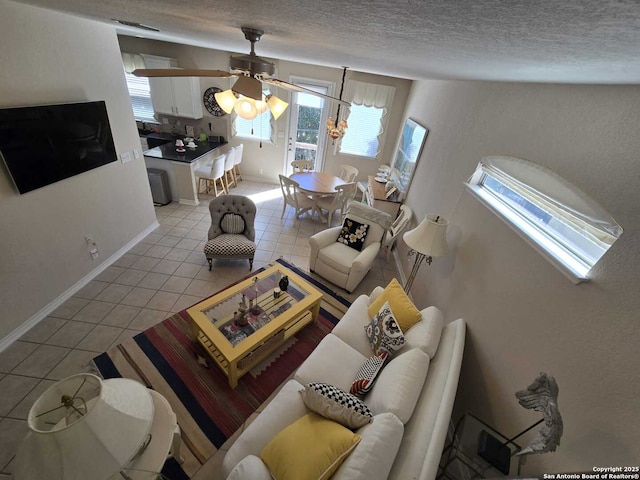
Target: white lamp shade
{"type": "Point", "coordinates": [227, 100]}
{"type": "Point", "coordinates": [429, 238]}
{"type": "Point", "coordinates": [246, 108]}
{"type": "Point", "coordinates": [276, 106]}
{"type": "Point", "coordinates": [96, 445]}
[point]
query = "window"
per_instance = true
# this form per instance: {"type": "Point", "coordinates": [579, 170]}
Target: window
{"type": "Point", "coordinates": [139, 90]}
{"type": "Point", "coordinates": [140, 97]}
{"type": "Point", "coordinates": [367, 118]}
{"type": "Point", "coordinates": [259, 128]}
{"type": "Point", "coordinates": [361, 137]}
{"type": "Point", "coordinates": [563, 223]}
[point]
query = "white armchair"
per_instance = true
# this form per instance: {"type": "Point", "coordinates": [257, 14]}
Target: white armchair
{"type": "Point", "coordinates": [340, 264]}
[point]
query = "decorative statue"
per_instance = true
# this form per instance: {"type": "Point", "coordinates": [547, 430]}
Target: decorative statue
{"type": "Point", "coordinates": [255, 309]}
{"type": "Point", "coordinates": [542, 396]}
{"type": "Point", "coordinates": [242, 306]}
{"type": "Point", "coordinates": [284, 283]}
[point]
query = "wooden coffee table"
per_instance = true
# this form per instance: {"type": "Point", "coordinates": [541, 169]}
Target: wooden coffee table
{"type": "Point", "coordinates": [237, 348]}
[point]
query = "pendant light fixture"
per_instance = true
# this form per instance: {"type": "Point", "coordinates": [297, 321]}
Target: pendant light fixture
{"type": "Point", "coordinates": [333, 130]}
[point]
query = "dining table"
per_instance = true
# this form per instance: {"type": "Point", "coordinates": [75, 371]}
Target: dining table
{"type": "Point", "coordinates": [317, 184]}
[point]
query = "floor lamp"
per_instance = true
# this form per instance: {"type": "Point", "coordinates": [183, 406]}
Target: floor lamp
{"type": "Point", "coordinates": [426, 241]}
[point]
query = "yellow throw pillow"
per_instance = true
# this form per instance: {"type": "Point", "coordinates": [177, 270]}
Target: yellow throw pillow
{"type": "Point", "coordinates": [406, 313]}
{"type": "Point", "coordinates": [311, 448]}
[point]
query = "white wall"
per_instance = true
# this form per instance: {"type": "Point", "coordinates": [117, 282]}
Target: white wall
{"type": "Point", "coordinates": [523, 315]}
{"type": "Point", "coordinates": [47, 58]}
{"type": "Point", "coordinates": [271, 158]}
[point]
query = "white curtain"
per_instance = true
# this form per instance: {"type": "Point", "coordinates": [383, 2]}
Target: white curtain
{"type": "Point", "coordinates": [131, 61]}
{"type": "Point", "coordinates": [553, 194]}
{"type": "Point", "coordinates": [370, 95]}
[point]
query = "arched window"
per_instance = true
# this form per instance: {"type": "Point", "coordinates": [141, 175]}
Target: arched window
{"type": "Point", "coordinates": [561, 221]}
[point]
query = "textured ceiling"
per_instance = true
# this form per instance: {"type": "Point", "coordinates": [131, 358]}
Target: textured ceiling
{"type": "Point", "coordinates": [565, 41]}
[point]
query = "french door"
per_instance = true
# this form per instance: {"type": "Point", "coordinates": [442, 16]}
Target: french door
{"type": "Point", "coordinates": [308, 115]}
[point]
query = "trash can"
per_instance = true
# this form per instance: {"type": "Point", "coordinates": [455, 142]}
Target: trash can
{"type": "Point", "coordinates": [159, 182]}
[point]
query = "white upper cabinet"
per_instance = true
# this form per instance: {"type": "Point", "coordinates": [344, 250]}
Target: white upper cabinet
{"type": "Point", "coordinates": [177, 96]}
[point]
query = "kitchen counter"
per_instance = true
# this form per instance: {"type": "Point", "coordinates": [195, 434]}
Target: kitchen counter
{"type": "Point", "coordinates": [180, 166]}
{"type": "Point", "coordinates": [167, 151]}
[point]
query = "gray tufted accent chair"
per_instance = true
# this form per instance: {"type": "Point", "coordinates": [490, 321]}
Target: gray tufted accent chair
{"type": "Point", "coordinates": [231, 244]}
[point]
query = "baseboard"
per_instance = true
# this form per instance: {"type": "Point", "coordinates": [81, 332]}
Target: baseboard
{"type": "Point", "coordinates": [184, 201]}
{"type": "Point", "coordinates": [70, 292]}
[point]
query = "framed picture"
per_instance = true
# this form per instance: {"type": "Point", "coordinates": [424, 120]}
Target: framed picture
{"type": "Point", "coordinates": [411, 142]}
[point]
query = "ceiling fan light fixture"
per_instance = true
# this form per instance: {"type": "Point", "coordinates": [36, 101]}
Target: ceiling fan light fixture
{"type": "Point", "coordinates": [248, 87]}
{"type": "Point", "coordinates": [261, 106]}
{"type": "Point", "coordinates": [246, 108]}
{"type": "Point", "coordinates": [276, 106]}
{"type": "Point", "coordinates": [227, 100]}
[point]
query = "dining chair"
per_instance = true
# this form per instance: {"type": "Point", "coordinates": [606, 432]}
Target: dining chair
{"type": "Point", "coordinates": [302, 166]}
{"type": "Point", "coordinates": [229, 166]}
{"type": "Point", "coordinates": [292, 196]}
{"type": "Point", "coordinates": [339, 201]}
{"type": "Point", "coordinates": [211, 173]}
{"type": "Point", "coordinates": [397, 227]}
{"type": "Point", "coordinates": [348, 173]}
{"type": "Point", "coordinates": [237, 162]}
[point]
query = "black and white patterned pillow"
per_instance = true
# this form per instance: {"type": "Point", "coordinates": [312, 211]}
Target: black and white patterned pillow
{"type": "Point", "coordinates": [353, 234]}
{"type": "Point", "coordinates": [232, 223]}
{"type": "Point", "coordinates": [384, 333]}
{"type": "Point", "coordinates": [363, 381]}
{"type": "Point", "coordinates": [336, 404]}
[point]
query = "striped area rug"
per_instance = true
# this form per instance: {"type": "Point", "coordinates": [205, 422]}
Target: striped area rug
{"type": "Point", "coordinates": [164, 358]}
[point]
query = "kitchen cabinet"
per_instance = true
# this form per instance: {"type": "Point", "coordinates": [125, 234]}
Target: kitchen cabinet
{"type": "Point", "coordinates": [177, 96]}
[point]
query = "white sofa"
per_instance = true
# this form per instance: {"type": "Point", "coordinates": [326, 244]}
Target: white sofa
{"type": "Point", "coordinates": [411, 410]}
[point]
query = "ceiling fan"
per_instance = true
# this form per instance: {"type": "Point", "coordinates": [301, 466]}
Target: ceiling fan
{"type": "Point", "coordinates": [251, 71]}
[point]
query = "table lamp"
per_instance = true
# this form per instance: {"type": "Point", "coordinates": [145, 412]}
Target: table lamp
{"type": "Point", "coordinates": [83, 427]}
{"type": "Point", "coordinates": [427, 240]}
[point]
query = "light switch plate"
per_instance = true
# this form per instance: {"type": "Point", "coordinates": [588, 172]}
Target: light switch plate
{"type": "Point", "coordinates": [125, 157]}
{"type": "Point", "coordinates": [136, 154]}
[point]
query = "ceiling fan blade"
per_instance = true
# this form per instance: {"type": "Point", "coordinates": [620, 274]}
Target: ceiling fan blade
{"type": "Point", "coordinates": [180, 72]}
{"type": "Point", "coordinates": [297, 88]}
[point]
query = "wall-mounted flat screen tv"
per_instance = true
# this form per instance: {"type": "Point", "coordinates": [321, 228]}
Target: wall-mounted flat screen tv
{"type": "Point", "coordinates": [44, 144]}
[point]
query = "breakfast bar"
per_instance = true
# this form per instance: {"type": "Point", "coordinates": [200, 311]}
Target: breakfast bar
{"type": "Point", "coordinates": [180, 166]}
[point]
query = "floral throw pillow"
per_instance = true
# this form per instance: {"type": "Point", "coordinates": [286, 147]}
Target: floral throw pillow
{"type": "Point", "coordinates": [353, 234]}
{"type": "Point", "coordinates": [384, 332]}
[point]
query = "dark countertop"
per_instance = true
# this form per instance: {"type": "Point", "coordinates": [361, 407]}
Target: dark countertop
{"type": "Point", "coordinates": [167, 151]}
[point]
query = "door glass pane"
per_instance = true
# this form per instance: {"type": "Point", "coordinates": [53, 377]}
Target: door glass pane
{"type": "Point", "coordinates": [308, 128]}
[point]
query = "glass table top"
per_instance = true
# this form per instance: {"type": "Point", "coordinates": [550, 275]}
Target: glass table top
{"type": "Point", "coordinates": [246, 311]}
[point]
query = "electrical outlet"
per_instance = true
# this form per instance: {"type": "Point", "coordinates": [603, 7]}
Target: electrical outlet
{"type": "Point", "coordinates": [261, 171]}
{"type": "Point", "coordinates": [89, 240]}
{"type": "Point", "coordinates": [165, 121]}
{"type": "Point", "coordinates": [126, 157]}
{"type": "Point", "coordinates": [94, 253]}
{"type": "Point", "coordinates": [136, 153]}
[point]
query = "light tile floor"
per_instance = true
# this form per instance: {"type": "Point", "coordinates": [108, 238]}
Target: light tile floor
{"type": "Point", "coordinates": [163, 274]}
